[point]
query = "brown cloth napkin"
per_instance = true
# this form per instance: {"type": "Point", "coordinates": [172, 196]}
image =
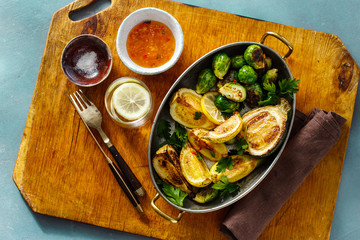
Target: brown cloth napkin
{"type": "Point", "coordinates": [311, 138]}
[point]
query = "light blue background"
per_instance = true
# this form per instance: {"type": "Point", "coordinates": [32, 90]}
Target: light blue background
{"type": "Point", "coordinates": [23, 30]}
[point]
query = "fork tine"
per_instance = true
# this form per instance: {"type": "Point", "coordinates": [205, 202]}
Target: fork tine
{"type": "Point", "coordinates": [83, 94]}
{"type": "Point", "coordinates": [72, 100]}
{"type": "Point", "coordinates": [80, 102]}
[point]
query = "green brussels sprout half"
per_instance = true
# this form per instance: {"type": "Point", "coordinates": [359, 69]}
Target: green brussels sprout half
{"type": "Point", "coordinates": [233, 91]}
{"type": "Point", "coordinates": [254, 56]}
{"type": "Point", "coordinates": [270, 76]}
{"type": "Point", "coordinates": [206, 80]}
{"type": "Point", "coordinates": [268, 63]}
{"type": "Point", "coordinates": [237, 61]}
{"type": "Point", "coordinates": [231, 141]}
{"type": "Point", "coordinates": [221, 64]}
{"type": "Point", "coordinates": [205, 195]}
{"type": "Point", "coordinates": [229, 77]}
{"type": "Point", "coordinates": [225, 105]}
{"type": "Point", "coordinates": [247, 75]}
{"type": "Point", "coordinates": [254, 94]}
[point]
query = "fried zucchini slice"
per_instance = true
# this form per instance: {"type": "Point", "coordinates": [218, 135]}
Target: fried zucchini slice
{"type": "Point", "coordinates": [210, 150]}
{"type": "Point", "coordinates": [167, 166]}
{"type": "Point", "coordinates": [243, 166]}
{"type": "Point", "coordinates": [265, 127]}
{"type": "Point", "coordinates": [227, 130]}
{"type": "Point", "coordinates": [194, 169]}
{"type": "Point", "coordinates": [185, 106]}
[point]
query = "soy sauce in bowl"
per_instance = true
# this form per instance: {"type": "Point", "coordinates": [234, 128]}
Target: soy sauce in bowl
{"type": "Point", "coordinates": [86, 60]}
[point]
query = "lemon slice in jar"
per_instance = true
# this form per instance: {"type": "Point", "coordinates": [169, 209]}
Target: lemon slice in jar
{"type": "Point", "coordinates": [131, 101]}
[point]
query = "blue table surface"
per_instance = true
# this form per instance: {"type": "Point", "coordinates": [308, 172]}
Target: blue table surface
{"type": "Point", "coordinates": [23, 31]}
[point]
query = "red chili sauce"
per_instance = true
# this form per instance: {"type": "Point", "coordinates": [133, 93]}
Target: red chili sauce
{"type": "Point", "coordinates": [150, 44]}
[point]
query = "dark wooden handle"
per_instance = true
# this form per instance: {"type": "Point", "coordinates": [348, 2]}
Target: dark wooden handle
{"type": "Point", "coordinates": [120, 178]}
{"type": "Point", "coordinates": [129, 175]}
{"type": "Point", "coordinates": [122, 182]}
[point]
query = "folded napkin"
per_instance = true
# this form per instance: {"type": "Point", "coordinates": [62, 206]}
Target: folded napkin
{"type": "Point", "coordinates": [311, 138]}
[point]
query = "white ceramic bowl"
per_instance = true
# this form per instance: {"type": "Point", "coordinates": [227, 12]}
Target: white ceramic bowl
{"type": "Point", "coordinates": [142, 15]}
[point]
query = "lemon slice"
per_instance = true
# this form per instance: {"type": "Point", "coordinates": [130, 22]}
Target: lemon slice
{"type": "Point", "coordinates": [209, 109]}
{"type": "Point", "coordinates": [131, 101]}
{"type": "Point", "coordinates": [227, 130]}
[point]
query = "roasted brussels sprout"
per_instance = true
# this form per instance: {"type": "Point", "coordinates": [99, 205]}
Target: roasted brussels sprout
{"type": "Point", "coordinates": [231, 141]}
{"type": "Point", "coordinates": [233, 91]}
{"type": "Point", "coordinates": [254, 56]}
{"type": "Point", "coordinates": [254, 94]}
{"type": "Point", "coordinates": [247, 75]}
{"type": "Point", "coordinates": [270, 76]}
{"type": "Point", "coordinates": [268, 62]}
{"type": "Point", "coordinates": [221, 65]}
{"type": "Point", "coordinates": [206, 80]}
{"type": "Point", "coordinates": [237, 61]}
{"type": "Point", "coordinates": [206, 194]}
{"type": "Point", "coordinates": [225, 105]}
{"type": "Point", "coordinates": [231, 76]}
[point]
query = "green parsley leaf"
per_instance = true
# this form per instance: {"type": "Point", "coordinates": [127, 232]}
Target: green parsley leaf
{"type": "Point", "coordinates": [175, 195]}
{"type": "Point", "coordinates": [225, 187]}
{"type": "Point", "coordinates": [181, 134]}
{"type": "Point", "coordinates": [272, 96]}
{"type": "Point", "coordinates": [288, 86]}
{"type": "Point", "coordinates": [197, 115]}
{"type": "Point", "coordinates": [241, 145]}
{"type": "Point", "coordinates": [270, 100]}
{"type": "Point", "coordinates": [178, 139]}
{"type": "Point", "coordinates": [223, 164]}
{"type": "Point", "coordinates": [212, 153]}
{"type": "Point", "coordinates": [163, 129]}
{"type": "Point", "coordinates": [270, 87]}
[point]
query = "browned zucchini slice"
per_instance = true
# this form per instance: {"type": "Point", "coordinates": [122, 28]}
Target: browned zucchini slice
{"type": "Point", "coordinates": [243, 166]}
{"type": "Point", "coordinates": [185, 105]}
{"type": "Point", "coordinates": [227, 130]}
{"type": "Point", "coordinates": [194, 169]}
{"type": "Point", "coordinates": [210, 150]}
{"type": "Point", "coordinates": [167, 166]}
{"type": "Point", "coordinates": [265, 127]}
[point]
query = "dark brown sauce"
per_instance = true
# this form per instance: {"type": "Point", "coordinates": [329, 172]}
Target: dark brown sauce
{"type": "Point", "coordinates": [86, 61]}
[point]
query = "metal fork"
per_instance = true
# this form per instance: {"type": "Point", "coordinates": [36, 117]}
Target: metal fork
{"type": "Point", "coordinates": [93, 118]}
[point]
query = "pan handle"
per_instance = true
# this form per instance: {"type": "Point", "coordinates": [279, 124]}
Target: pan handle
{"type": "Point", "coordinates": [162, 214]}
{"type": "Point", "coordinates": [281, 38]}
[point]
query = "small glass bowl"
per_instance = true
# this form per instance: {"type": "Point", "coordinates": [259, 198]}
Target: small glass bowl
{"type": "Point", "coordinates": [142, 15]}
{"type": "Point", "coordinates": [112, 112]}
{"type": "Point", "coordinates": [86, 60]}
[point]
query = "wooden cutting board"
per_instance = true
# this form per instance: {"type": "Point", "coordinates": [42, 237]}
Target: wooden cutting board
{"type": "Point", "coordinates": [60, 171]}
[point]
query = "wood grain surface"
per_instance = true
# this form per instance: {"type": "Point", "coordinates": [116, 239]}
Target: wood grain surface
{"type": "Point", "coordinates": [60, 171]}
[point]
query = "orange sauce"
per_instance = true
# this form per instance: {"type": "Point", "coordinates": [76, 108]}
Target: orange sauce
{"type": "Point", "coordinates": [150, 44]}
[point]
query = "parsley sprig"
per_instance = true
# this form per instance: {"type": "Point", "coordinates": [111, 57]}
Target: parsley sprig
{"type": "Point", "coordinates": [177, 139]}
{"type": "Point", "coordinates": [223, 164]}
{"type": "Point", "coordinates": [225, 186]}
{"type": "Point", "coordinates": [197, 115]}
{"type": "Point", "coordinates": [172, 193]}
{"type": "Point", "coordinates": [241, 145]}
{"type": "Point", "coordinates": [286, 87]}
